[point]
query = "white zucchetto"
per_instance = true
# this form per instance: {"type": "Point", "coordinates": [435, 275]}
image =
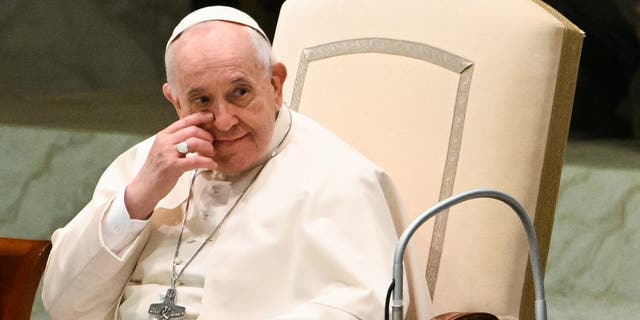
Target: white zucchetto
{"type": "Point", "coordinates": [214, 13]}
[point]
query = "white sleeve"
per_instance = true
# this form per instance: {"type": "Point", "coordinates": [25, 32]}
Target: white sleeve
{"type": "Point", "coordinates": [118, 229]}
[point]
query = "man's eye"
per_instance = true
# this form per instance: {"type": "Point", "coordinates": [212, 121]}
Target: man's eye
{"type": "Point", "coordinates": [201, 100]}
{"type": "Point", "coordinates": [240, 92]}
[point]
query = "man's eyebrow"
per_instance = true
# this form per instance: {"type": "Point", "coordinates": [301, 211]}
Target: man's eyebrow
{"type": "Point", "coordinates": [240, 79]}
{"type": "Point", "coordinates": [194, 92]}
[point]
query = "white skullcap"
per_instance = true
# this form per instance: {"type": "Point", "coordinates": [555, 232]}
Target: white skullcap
{"type": "Point", "coordinates": [211, 14]}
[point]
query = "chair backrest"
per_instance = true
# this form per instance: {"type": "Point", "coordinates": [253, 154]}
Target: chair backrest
{"type": "Point", "coordinates": [21, 265]}
{"type": "Point", "coordinates": [447, 96]}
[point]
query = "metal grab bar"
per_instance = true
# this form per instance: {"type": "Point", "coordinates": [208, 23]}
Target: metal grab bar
{"type": "Point", "coordinates": [534, 252]}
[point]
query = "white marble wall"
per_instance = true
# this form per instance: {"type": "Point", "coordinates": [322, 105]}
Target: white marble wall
{"type": "Point", "coordinates": [594, 256]}
{"type": "Point", "coordinates": [48, 175]}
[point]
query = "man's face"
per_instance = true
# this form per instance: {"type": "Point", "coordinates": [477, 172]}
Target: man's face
{"type": "Point", "coordinates": [214, 68]}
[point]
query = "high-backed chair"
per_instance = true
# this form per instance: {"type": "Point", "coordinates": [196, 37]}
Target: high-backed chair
{"type": "Point", "coordinates": [21, 265]}
{"type": "Point", "coordinates": [447, 96]}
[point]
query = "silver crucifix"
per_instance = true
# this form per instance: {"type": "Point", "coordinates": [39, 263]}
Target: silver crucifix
{"type": "Point", "coordinates": [167, 309]}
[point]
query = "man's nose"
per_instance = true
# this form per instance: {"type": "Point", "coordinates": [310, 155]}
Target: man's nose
{"type": "Point", "coordinates": [223, 117]}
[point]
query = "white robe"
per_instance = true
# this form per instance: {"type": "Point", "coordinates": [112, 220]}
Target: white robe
{"type": "Point", "coordinates": [313, 238]}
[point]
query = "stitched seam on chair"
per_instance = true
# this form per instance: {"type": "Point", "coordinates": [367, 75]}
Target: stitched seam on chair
{"type": "Point", "coordinates": [397, 47]}
{"type": "Point", "coordinates": [448, 176]}
{"type": "Point", "coordinates": [420, 51]}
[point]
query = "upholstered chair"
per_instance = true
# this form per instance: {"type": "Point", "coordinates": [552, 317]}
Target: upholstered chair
{"type": "Point", "coordinates": [446, 96]}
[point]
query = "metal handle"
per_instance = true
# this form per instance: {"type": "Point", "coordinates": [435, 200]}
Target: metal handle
{"type": "Point", "coordinates": [534, 252]}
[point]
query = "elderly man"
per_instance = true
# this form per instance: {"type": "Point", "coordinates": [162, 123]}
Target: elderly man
{"type": "Point", "coordinates": [241, 209]}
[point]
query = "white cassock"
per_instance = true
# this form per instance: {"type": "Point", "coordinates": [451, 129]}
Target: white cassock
{"type": "Point", "coordinates": [312, 238]}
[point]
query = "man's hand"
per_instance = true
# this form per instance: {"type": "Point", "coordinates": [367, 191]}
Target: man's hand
{"type": "Point", "coordinates": [164, 164]}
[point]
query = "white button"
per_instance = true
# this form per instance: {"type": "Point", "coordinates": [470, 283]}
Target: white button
{"type": "Point", "coordinates": [116, 229]}
{"type": "Point", "coordinates": [178, 261]}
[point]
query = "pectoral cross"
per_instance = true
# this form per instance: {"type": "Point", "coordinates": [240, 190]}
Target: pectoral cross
{"type": "Point", "coordinates": [167, 309]}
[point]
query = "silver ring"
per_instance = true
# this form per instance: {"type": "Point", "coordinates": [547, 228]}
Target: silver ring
{"type": "Point", "coordinates": [183, 147]}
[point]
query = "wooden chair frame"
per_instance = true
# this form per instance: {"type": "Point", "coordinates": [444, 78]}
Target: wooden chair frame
{"type": "Point", "coordinates": [22, 263]}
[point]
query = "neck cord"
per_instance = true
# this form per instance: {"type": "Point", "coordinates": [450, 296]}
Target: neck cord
{"type": "Point", "coordinates": [174, 276]}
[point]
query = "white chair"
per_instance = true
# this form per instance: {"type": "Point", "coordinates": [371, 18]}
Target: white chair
{"type": "Point", "coordinates": [447, 96]}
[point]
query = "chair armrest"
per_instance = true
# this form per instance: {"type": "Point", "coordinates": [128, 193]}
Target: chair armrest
{"type": "Point", "coordinates": [21, 265]}
{"type": "Point", "coordinates": [465, 316]}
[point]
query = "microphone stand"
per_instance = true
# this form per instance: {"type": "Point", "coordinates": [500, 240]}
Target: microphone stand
{"type": "Point", "coordinates": [534, 252]}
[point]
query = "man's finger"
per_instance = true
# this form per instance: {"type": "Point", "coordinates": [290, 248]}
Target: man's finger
{"type": "Point", "coordinates": [200, 146]}
{"type": "Point", "coordinates": [190, 132]}
{"type": "Point", "coordinates": [196, 162]}
{"type": "Point", "coordinates": [194, 119]}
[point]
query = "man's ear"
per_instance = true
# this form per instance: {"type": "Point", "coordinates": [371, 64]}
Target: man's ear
{"type": "Point", "coordinates": [278, 76]}
{"type": "Point", "coordinates": [169, 95]}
